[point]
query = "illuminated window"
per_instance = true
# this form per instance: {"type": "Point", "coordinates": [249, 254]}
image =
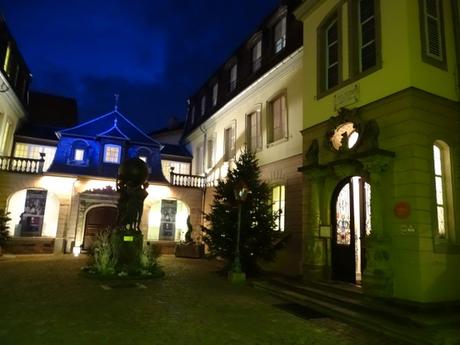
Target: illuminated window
{"type": "Point", "coordinates": [233, 76]}
{"type": "Point", "coordinates": [277, 119]}
{"type": "Point", "coordinates": [215, 92]}
{"type": "Point", "coordinates": [79, 155]}
{"type": "Point", "coordinates": [253, 131]}
{"type": "Point", "coordinates": [257, 56]}
{"type": "Point", "coordinates": [433, 44]}
{"type": "Point", "coordinates": [280, 35]}
{"type": "Point", "coordinates": [112, 153]}
{"type": "Point", "coordinates": [443, 188]}
{"type": "Point", "coordinates": [25, 150]}
{"type": "Point", "coordinates": [229, 143]}
{"type": "Point", "coordinates": [179, 168]}
{"type": "Point", "coordinates": [278, 207]}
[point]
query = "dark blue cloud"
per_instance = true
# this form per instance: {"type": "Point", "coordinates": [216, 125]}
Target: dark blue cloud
{"type": "Point", "coordinates": [154, 53]}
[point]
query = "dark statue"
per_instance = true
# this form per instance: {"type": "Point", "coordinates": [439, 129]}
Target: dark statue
{"type": "Point", "coordinates": [132, 185]}
{"type": "Point", "coordinates": [311, 157]}
{"type": "Point", "coordinates": [127, 238]}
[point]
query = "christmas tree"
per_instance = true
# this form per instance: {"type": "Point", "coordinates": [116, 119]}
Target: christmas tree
{"type": "Point", "coordinates": [257, 217]}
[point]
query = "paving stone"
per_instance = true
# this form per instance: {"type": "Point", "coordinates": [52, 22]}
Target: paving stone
{"type": "Point", "coordinates": [46, 300]}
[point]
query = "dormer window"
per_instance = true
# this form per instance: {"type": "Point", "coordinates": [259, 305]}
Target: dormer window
{"type": "Point", "coordinates": [280, 35]}
{"type": "Point", "coordinates": [233, 72]}
{"type": "Point", "coordinates": [203, 105]}
{"type": "Point", "coordinates": [256, 56]}
{"type": "Point", "coordinates": [7, 61]}
{"type": "Point", "coordinates": [215, 92]}
{"type": "Point", "coordinates": [112, 153]}
{"type": "Point", "coordinates": [79, 154]}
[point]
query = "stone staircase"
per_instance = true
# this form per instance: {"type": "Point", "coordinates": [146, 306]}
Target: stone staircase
{"type": "Point", "coordinates": [346, 302]}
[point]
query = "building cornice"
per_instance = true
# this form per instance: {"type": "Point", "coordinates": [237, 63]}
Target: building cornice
{"type": "Point", "coordinates": [306, 8]}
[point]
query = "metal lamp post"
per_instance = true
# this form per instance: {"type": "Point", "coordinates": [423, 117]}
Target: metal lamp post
{"type": "Point", "coordinates": [236, 274]}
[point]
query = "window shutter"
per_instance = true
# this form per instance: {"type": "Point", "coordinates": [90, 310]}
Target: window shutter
{"type": "Point", "coordinates": [433, 32]}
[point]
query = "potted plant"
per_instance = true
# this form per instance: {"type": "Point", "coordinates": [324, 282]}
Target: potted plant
{"type": "Point", "coordinates": [4, 233]}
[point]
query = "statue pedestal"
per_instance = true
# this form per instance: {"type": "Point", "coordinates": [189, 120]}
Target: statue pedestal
{"type": "Point", "coordinates": [127, 245]}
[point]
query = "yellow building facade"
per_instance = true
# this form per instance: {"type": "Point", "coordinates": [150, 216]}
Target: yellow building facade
{"type": "Point", "coordinates": [380, 141]}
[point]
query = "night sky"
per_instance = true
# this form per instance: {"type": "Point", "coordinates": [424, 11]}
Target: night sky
{"type": "Point", "coordinates": [154, 53]}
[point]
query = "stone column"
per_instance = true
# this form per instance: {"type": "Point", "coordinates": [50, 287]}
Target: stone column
{"type": "Point", "coordinates": [315, 249]}
{"type": "Point", "coordinates": [377, 276]}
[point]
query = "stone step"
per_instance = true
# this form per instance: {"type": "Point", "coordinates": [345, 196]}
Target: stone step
{"type": "Point", "coordinates": [350, 312]}
{"type": "Point", "coordinates": [352, 297]}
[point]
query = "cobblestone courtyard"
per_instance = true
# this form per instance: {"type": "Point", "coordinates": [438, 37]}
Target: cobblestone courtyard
{"type": "Point", "coordinates": [45, 300]}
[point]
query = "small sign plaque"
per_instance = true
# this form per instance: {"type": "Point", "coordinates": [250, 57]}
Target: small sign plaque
{"type": "Point", "coordinates": [128, 238]}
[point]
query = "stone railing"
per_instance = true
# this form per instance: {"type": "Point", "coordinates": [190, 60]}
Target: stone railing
{"type": "Point", "coordinates": [22, 165]}
{"type": "Point", "coordinates": [184, 180]}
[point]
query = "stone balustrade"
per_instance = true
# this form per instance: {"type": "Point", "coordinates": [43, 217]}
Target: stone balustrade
{"type": "Point", "coordinates": [22, 165]}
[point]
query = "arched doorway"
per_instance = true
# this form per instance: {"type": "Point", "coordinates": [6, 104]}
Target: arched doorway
{"type": "Point", "coordinates": [350, 225]}
{"type": "Point", "coordinates": [97, 219]}
{"type": "Point", "coordinates": [34, 212]}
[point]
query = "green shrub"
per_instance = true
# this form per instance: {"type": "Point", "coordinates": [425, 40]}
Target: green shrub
{"type": "Point", "coordinates": [4, 234]}
{"type": "Point", "coordinates": [104, 260]}
{"type": "Point", "coordinates": [149, 257]}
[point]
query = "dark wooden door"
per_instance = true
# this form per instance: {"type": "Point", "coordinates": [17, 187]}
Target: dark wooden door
{"type": "Point", "coordinates": [351, 223]}
{"type": "Point", "coordinates": [343, 234]}
{"type": "Point", "coordinates": [97, 219]}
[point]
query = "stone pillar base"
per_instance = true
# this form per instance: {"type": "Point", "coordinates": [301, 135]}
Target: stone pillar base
{"type": "Point", "coordinates": [377, 284]}
{"type": "Point", "coordinates": [315, 272]}
{"type": "Point", "coordinates": [237, 277]}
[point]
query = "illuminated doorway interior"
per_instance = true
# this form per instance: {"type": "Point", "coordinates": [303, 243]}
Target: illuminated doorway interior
{"type": "Point", "coordinates": [168, 220]}
{"type": "Point", "coordinates": [351, 224]}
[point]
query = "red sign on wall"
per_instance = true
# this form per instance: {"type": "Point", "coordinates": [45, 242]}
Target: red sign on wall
{"type": "Point", "coordinates": [402, 209]}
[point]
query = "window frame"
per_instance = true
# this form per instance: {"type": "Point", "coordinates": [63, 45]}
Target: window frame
{"type": "Point", "coordinates": [199, 165]}
{"type": "Point", "coordinates": [270, 119]}
{"type": "Point", "coordinates": [445, 176]}
{"type": "Point", "coordinates": [440, 62]}
{"type": "Point", "coordinates": [279, 43]}
{"type": "Point", "coordinates": [215, 93]}
{"type": "Point", "coordinates": [281, 219]}
{"type": "Point", "coordinates": [256, 56]}
{"type": "Point", "coordinates": [233, 74]}
{"type": "Point", "coordinates": [105, 158]}
{"type": "Point", "coordinates": [334, 16]}
{"type": "Point", "coordinates": [257, 113]}
{"type": "Point", "coordinates": [203, 105]}
{"type": "Point", "coordinates": [82, 145]}
{"type": "Point", "coordinates": [210, 152]}
{"type": "Point", "coordinates": [229, 142]}
{"type": "Point", "coordinates": [354, 39]}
